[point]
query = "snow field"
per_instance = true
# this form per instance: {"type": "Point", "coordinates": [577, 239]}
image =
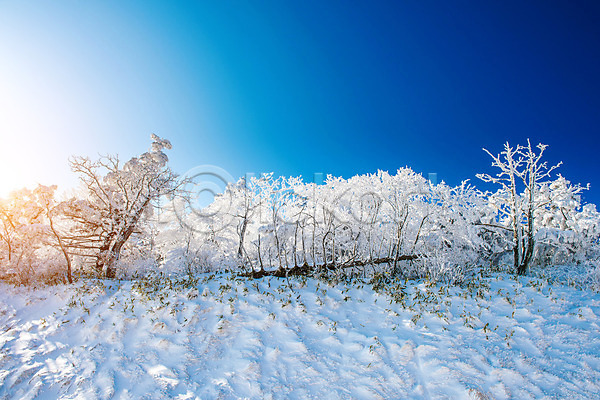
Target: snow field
{"type": "Point", "coordinates": [226, 337]}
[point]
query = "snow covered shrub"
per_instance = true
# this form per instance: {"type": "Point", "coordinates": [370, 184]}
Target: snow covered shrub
{"type": "Point", "coordinates": [31, 234]}
{"type": "Point", "coordinates": [592, 279]}
{"type": "Point", "coordinates": [192, 243]}
{"type": "Point", "coordinates": [452, 249]}
{"type": "Point", "coordinates": [568, 232]}
{"type": "Point", "coordinates": [569, 243]}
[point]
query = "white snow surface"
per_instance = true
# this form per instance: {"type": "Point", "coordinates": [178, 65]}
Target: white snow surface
{"type": "Point", "coordinates": [233, 338]}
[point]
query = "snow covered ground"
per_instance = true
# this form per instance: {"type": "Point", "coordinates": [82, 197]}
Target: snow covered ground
{"type": "Point", "coordinates": [230, 338]}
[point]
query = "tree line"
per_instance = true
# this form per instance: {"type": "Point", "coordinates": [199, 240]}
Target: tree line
{"type": "Point", "coordinates": [138, 216]}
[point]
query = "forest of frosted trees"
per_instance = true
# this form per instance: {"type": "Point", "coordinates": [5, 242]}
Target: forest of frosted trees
{"type": "Point", "coordinates": [136, 217]}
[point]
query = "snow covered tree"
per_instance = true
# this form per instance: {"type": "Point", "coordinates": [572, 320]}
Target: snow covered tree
{"type": "Point", "coordinates": [53, 210]}
{"type": "Point", "coordinates": [366, 224]}
{"type": "Point", "coordinates": [117, 198]}
{"type": "Point", "coordinates": [525, 192]}
{"type": "Point", "coordinates": [21, 226]}
{"type": "Point", "coordinates": [567, 231]}
{"type": "Point", "coordinates": [31, 238]}
{"type": "Point", "coordinates": [399, 224]}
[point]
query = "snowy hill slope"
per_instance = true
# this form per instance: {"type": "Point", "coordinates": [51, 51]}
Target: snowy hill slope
{"type": "Point", "coordinates": [230, 338]}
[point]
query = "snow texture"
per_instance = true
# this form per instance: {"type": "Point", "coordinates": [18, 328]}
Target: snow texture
{"type": "Point", "coordinates": [231, 338]}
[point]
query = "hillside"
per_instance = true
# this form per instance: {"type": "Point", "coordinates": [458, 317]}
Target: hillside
{"type": "Point", "coordinates": [224, 337]}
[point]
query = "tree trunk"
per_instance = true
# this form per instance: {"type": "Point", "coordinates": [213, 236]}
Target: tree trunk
{"type": "Point", "coordinates": [306, 269]}
{"type": "Point", "coordinates": [242, 235]}
{"type": "Point", "coordinates": [115, 250]}
{"type": "Point", "coordinates": [64, 251]}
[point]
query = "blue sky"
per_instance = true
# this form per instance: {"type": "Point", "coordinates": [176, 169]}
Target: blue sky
{"type": "Point", "coordinates": [299, 87]}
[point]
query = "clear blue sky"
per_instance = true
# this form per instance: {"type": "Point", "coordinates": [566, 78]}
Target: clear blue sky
{"type": "Point", "coordinates": [299, 87]}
